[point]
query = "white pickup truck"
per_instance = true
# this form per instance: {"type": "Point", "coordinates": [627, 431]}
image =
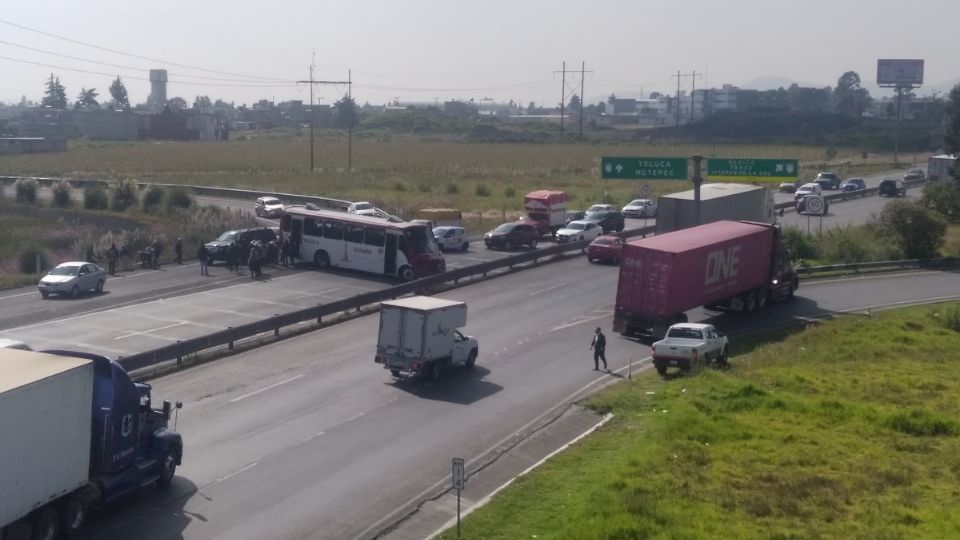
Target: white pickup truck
{"type": "Point", "coordinates": [689, 344]}
{"type": "Point", "coordinates": [419, 335]}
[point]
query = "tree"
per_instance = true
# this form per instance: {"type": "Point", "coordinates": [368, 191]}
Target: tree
{"type": "Point", "coordinates": [87, 98]}
{"type": "Point", "coordinates": [202, 102]}
{"type": "Point", "coordinates": [612, 99]}
{"type": "Point", "coordinates": [55, 95]}
{"type": "Point", "coordinates": [574, 104]}
{"type": "Point", "coordinates": [852, 99]}
{"type": "Point", "coordinates": [119, 94]}
{"type": "Point", "coordinates": [951, 139]}
{"type": "Point", "coordinates": [345, 113]}
{"type": "Point", "coordinates": [177, 103]}
{"type": "Point", "coordinates": [916, 230]}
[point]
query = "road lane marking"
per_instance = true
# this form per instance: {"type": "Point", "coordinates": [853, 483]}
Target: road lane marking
{"type": "Point", "coordinates": [265, 388]}
{"type": "Point", "coordinates": [236, 472]}
{"type": "Point", "coordinates": [18, 295]}
{"type": "Point", "coordinates": [132, 333]}
{"type": "Point", "coordinates": [550, 288]}
{"type": "Point", "coordinates": [579, 322]}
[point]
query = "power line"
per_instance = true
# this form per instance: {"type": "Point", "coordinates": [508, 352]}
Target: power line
{"type": "Point", "coordinates": [114, 51]}
{"type": "Point", "coordinates": [121, 66]}
{"type": "Point", "coordinates": [313, 83]}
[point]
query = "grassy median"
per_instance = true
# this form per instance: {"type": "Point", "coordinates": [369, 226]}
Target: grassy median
{"type": "Point", "coordinates": [846, 430]}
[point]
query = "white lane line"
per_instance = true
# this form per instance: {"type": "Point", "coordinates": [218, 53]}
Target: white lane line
{"type": "Point", "coordinates": [132, 333]}
{"type": "Point", "coordinates": [18, 295]}
{"type": "Point", "coordinates": [550, 288]}
{"type": "Point", "coordinates": [236, 472]}
{"type": "Point", "coordinates": [265, 388]}
{"type": "Point", "coordinates": [255, 300]}
{"type": "Point", "coordinates": [581, 321]}
{"type": "Point", "coordinates": [181, 321]}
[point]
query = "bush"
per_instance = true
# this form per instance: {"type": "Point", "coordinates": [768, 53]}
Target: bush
{"type": "Point", "coordinates": [482, 190]}
{"type": "Point", "coordinates": [178, 198]}
{"type": "Point", "coordinates": [152, 198]}
{"type": "Point", "coordinates": [802, 244]}
{"type": "Point", "coordinates": [61, 194]}
{"type": "Point", "coordinates": [124, 194]}
{"type": "Point", "coordinates": [94, 198]}
{"type": "Point", "coordinates": [399, 186]}
{"type": "Point", "coordinates": [452, 188]}
{"type": "Point", "coordinates": [28, 260]}
{"type": "Point", "coordinates": [424, 187]}
{"type": "Point", "coordinates": [952, 319]}
{"type": "Point", "coordinates": [918, 232]}
{"type": "Point", "coordinates": [509, 192]}
{"type": "Point", "coordinates": [944, 198]}
{"type": "Point", "coordinates": [26, 190]}
{"type": "Point", "coordinates": [854, 244]}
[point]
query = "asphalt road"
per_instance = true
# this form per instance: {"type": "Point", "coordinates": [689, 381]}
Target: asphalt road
{"type": "Point", "coordinates": [871, 181]}
{"type": "Point", "coordinates": [308, 437]}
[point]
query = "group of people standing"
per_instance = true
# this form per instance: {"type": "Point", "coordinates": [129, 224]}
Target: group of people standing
{"type": "Point", "coordinates": [257, 255]}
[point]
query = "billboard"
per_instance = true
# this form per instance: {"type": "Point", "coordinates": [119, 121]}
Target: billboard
{"type": "Point", "coordinates": [899, 72]}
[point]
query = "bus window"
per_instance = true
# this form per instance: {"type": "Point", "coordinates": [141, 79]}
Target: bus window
{"type": "Point", "coordinates": [420, 240]}
{"type": "Point", "coordinates": [375, 237]}
{"type": "Point", "coordinates": [333, 230]}
{"type": "Point", "coordinates": [353, 233]}
{"type": "Point", "coordinates": [312, 227]}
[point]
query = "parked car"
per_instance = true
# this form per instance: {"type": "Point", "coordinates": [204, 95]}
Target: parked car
{"type": "Point", "coordinates": [451, 238]}
{"type": "Point", "coordinates": [892, 187]}
{"type": "Point", "coordinates": [600, 208]}
{"type": "Point", "coordinates": [789, 187]}
{"type": "Point", "coordinates": [811, 188]}
{"type": "Point", "coordinates": [914, 175]}
{"type": "Point", "coordinates": [828, 180]}
{"type": "Point", "coordinates": [362, 208]}
{"type": "Point", "coordinates": [689, 344]}
{"type": "Point", "coordinates": [605, 248]}
{"type": "Point", "coordinates": [609, 220]}
{"type": "Point", "coordinates": [853, 184]}
{"type": "Point", "coordinates": [640, 208]}
{"type": "Point", "coordinates": [73, 278]}
{"type": "Point", "coordinates": [268, 207]}
{"type": "Point", "coordinates": [14, 344]}
{"type": "Point", "coordinates": [217, 249]}
{"type": "Point", "coordinates": [579, 230]}
{"type": "Point", "coordinates": [510, 235]}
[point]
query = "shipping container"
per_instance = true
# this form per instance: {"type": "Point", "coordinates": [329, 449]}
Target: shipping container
{"type": "Point", "coordinates": [939, 167]}
{"type": "Point", "coordinates": [738, 265]}
{"type": "Point", "coordinates": [45, 406]}
{"type": "Point", "coordinates": [720, 201]}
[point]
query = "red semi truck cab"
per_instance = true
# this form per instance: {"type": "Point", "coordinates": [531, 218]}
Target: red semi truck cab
{"type": "Point", "coordinates": [546, 209]}
{"type": "Point", "coordinates": [730, 265]}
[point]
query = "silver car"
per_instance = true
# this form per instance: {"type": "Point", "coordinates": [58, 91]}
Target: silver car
{"type": "Point", "coordinates": [451, 238]}
{"type": "Point", "coordinates": [73, 278]}
{"type": "Point", "coordinates": [640, 208]}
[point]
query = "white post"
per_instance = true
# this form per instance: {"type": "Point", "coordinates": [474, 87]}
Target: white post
{"type": "Point", "coordinates": [630, 369]}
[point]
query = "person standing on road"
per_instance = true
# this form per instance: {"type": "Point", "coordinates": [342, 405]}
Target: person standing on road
{"type": "Point", "coordinates": [112, 255]}
{"type": "Point", "coordinates": [178, 249]}
{"type": "Point", "coordinates": [157, 248]}
{"type": "Point", "coordinates": [202, 257]}
{"type": "Point", "coordinates": [599, 346]}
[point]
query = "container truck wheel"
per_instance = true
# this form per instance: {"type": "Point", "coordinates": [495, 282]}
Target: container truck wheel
{"type": "Point", "coordinates": [763, 297]}
{"type": "Point", "coordinates": [74, 513]}
{"type": "Point", "coordinates": [750, 302]}
{"type": "Point", "coordinates": [471, 360]}
{"type": "Point", "coordinates": [168, 469]}
{"type": "Point", "coordinates": [46, 524]}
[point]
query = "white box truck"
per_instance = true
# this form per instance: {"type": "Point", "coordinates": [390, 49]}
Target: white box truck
{"type": "Point", "coordinates": [718, 201]}
{"type": "Point", "coordinates": [419, 335]}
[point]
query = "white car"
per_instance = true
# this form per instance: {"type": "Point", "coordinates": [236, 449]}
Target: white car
{"type": "Point", "coordinates": [689, 344]}
{"type": "Point", "coordinates": [811, 188]}
{"type": "Point", "coordinates": [14, 344]}
{"type": "Point", "coordinates": [362, 208]}
{"type": "Point", "coordinates": [73, 278]}
{"type": "Point", "coordinates": [268, 207]}
{"type": "Point", "coordinates": [600, 208]}
{"type": "Point", "coordinates": [640, 208]}
{"type": "Point", "coordinates": [451, 238]}
{"type": "Point", "coordinates": [578, 230]}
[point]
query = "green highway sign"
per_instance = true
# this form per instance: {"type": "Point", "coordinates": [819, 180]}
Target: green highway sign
{"type": "Point", "coordinates": [643, 168]}
{"type": "Point", "coordinates": [752, 169]}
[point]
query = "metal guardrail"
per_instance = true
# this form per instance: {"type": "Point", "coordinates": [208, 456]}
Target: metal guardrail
{"type": "Point", "coordinates": [273, 324]}
{"type": "Point", "coordinates": [904, 264]}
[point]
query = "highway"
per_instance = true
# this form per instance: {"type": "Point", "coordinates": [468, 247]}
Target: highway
{"type": "Point", "coordinates": [308, 437]}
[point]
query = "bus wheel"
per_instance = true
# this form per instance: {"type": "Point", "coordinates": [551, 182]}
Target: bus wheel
{"type": "Point", "coordinates": [321, 259]}
{"type": "Point", "coordinates": [406, 273]}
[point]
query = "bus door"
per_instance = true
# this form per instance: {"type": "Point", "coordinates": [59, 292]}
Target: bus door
{"type": "Point", "coordinates": [390, 254]}
{"type": "Point", "coordinates": [296, 235]}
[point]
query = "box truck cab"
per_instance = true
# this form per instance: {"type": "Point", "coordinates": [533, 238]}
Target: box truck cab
{"type": "Point", "coordinates": [419, 335]}
{"type": "Point", "coordinates": [75, 434]}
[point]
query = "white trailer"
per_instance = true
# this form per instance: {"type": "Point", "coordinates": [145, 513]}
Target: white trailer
{"type": "Point", "coordinates": [419, 335]}
{"type": "Point", "coordinates": [45, 429]}
{"type": "Point", "coordinates": [938, 167]}
{"type": "Point", "coordinates": [718, 201]}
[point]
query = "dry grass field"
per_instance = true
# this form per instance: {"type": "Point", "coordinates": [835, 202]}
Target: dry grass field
{"type": "Point", "coordinates": [401, 173]}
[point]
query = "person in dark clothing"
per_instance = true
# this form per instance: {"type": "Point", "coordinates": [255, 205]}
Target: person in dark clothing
{"type": "Point", "coordinates": [157, 249]}
{"type": "Point", "coordinates": [599, 346]}
{"type": "Point", "coordinates": [284, 249]}
{"type": "Point", "coordinates": [290, 253]}
{"type": "Point", "coordinates": [253, 262]}
{"type": "Point", "coordinates": [112, 255]}
{"type": "Point", "coordinates": [178, 250]}
{"type": "Point", "coordinates": [202, 257]}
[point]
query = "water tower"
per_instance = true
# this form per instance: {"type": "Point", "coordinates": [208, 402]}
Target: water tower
{"type": "Point", "coordinates": [158, 89]}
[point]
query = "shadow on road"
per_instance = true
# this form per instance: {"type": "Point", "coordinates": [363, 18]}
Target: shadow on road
{"type": "Point", "coordinates": [455, 385]}
{"type": "Point", "coordinates": [151, 513]}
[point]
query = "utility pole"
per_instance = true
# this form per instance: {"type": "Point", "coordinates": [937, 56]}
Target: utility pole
{"type": "Point", "coordinates": [583, 70]}
{"type": "Point", "coordinates": [350, 130]}
{"type": "Point", "coordinates": [563, 94]}
{"type": "Point", "coordinates": [678, 76]}
{"type": "Point", "coordinates": [312, 83]}
{"type": "Point", "coordinates": [896, 135]}
{"type": "Point", "coordinates": [693, 93]}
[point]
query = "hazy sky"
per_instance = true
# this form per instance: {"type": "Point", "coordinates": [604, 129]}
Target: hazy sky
{"type": "Point", "coordinates": [426, 50]}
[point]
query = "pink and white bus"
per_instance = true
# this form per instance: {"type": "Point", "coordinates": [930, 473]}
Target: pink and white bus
{"type": "Point", "coordinates": [337, 239]}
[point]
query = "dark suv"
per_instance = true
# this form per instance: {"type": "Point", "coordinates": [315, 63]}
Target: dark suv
{"type": "Point", "coordinates": [511, 235]}
{"type": "Point", "coordinates": [218, 248]}
{"type": "Point", "coordinates": [891, 187]}
{"type": "Point", "coordinates": [828, 180]}
{"type": "Point", "coordinates": [609, 220]}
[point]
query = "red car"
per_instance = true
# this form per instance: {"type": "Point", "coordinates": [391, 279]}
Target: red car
{"type": "Point", "coordinates": [605, 248]}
